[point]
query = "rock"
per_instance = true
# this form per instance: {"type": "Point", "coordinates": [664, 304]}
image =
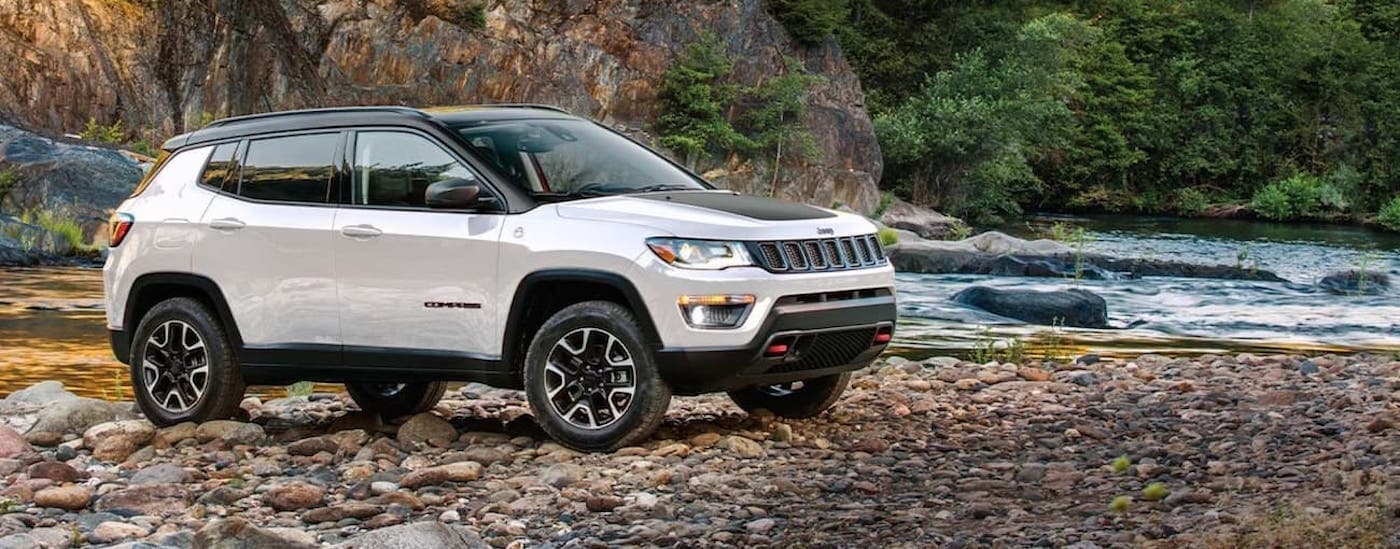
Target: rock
{"type": "Point", "coordinates": [223, 495]}
{"type": "Point", "coordinates": [150, 499]}
{"type": "Point", "coordinates": [238, 533]}
{"type": "Point", "coordinates": [112, 531]}
{"type": "Point", "coordinates": [232, 432]}
{"type": "Point", "coordinates": [71, 497]}
{"type": "Point", "coordinates": [60, 473]}
{"type": "Point", "coordinates": [1355, 282]}
{"type": "Point", "coordinates": [561, 475]}
{"type": "Point", "coordinates": [482, 455]}
{"type": "Point", "coordinates": [1033, 374]}
{"type": "Point", "coordinates": [761, 526]}
{"type": "Point", "coordinates": [161, 473]}
{"type": "Point", "coordinates": [295, 495]}
{"type": "Point", "coordinates": [921, 221]}
{"type": "Point", "coordinates": [1073, 307]}
{"type": "Point", "coordinates": [313, 446]}
{"type": "Point", "coordinates": [341, 511]}
{"type": "Point", "coordinates": [427, 428]}
{"type": "Point", "coordinates": [76, 415]}
{"type": "Point", "coordinates": [115, 441]}
{"type": "Point", "coordinates": [46, 439]}
{"type": "Point", "coordinates": [742, 447]}
{"type": "Point", "coordinates": [602, 504]}
{"type": "Point", "coordinates": [38, 395]}
{"type": "Point", "coordinates": [81, 182]}
{"type": "Point", "coordinates": [461, 471]}
{"type": "Point", "coordinates": [421, 535]}
{"type": "Point", "coordinates": [178, 433]}
{"type": "Point", "coordinates": [12, 444]}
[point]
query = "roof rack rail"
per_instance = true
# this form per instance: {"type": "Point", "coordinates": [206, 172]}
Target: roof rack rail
{"type": "Point", "coordinates": [266, 115]}
{"type": "Point", "coordinates": [525, 106]}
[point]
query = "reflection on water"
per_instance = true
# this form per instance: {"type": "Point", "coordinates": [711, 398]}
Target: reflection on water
{"type": "Point", "coordinates": [51, 320]}
{"type": "Point", "coordinates": [52, 327]}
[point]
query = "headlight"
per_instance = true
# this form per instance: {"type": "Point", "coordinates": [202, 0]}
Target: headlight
{"type": "Point", "coordinates": [700, 254]}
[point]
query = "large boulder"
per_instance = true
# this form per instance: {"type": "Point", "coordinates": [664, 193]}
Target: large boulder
{"type": "Point", "coordinates": [919, 220]}
{"type": "Point", "coordinates": [1355, 282]}
{"type": "Point", "coordinates": [1074, 308]}
{"type": "Point", "coordinates": [72, 181]}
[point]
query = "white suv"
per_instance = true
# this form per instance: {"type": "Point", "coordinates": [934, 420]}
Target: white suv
{"type": "Point", "coordinates": [395, 250]}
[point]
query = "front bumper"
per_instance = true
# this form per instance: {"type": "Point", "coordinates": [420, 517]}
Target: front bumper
{"type": "Point", "coordinates": [825, 337]}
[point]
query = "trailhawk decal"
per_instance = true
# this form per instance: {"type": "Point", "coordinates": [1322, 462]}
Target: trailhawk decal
{"type": "Point", "coordinates": [450, 305]}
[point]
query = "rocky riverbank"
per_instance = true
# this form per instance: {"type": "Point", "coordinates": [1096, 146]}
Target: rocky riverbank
{"type": "Point", "coordinates": [1245, 450]}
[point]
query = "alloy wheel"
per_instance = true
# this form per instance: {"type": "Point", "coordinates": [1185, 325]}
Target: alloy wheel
{"type": "Point", "coordinates": [175, 366]}
{"type": "Point", "coordinates": [590, 379]}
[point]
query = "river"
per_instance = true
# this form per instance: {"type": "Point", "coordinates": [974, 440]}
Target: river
{"type": "Point", "coordinates": [51, 320]}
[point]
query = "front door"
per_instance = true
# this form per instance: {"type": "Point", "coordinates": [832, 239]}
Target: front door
{"type": "Point", "coordinates": [415, 284]}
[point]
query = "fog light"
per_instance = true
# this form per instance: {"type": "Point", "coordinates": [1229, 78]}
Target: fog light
{"type": "Point", "coordinates": [715, 311]}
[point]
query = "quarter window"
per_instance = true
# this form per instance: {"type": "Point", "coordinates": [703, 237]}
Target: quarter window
{"type": "Point", "coordinates": [395, 169]}
{"type": "Point", "coordinates": [290, 169]}
{"type": "Point", "coordinates": [222, 170]}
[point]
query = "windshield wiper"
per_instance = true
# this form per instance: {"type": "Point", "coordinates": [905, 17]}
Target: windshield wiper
{"type": "Point", "coordinates": [604, 189]}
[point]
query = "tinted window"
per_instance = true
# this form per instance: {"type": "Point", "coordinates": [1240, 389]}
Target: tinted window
{"type": "Point", "coordinates": [395, 169]}
{"type": "Point", "coordinates": [222, 170]}
{"type": "Point", "coordinates": [290, 169]}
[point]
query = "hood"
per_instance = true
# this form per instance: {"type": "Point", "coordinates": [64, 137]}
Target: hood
{"type": "Point", "coordinates": [724, 215]}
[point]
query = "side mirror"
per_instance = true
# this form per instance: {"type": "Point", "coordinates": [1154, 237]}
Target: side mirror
{"type": "Point", "coordinates": [455, 194]}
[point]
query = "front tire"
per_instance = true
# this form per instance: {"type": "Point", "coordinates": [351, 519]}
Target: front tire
{"type": "Point", "coordinates": [591, 381]}
{"type": "Point", "coordinates": [391, 400]}
{"type": "Point", "coordinates": [182, 366]}
{"type": "Point", "coordinates": [795, 400]}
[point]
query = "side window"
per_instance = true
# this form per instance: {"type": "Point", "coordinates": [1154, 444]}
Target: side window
{"type": "Point", "coordinates": [175, 171]}
{"type": "Point", "coordinates": [290, 169]}
{"type": "Point", "coordinates": [222, 170]}
{"type": "Point", "coordinates": [395, 169]}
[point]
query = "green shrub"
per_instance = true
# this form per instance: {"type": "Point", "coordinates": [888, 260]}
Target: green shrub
{"type": "Point", "coordinates": [810, 21]}
{"type": "Point", "coordinates": [1390, 215]}
{"type": "Point", "coordinates": [475, 16]}
{"type": "Point", "coordinates": [888, 237]}
{"type": "Point", "coordinates": [886, 198]}
{"type": "Point", "coordinates": [1303, 196]}
{"type": "Point", "coordinates": [1272, 202]}
{"type": "Point", "coordinates": [60, 225]}
{"type": "Point", "coordinates": [1191, 201]}
{"type": "Point", "coordinates": [103, 134]}
{"type": "Point", "coordinates": [9, 179]}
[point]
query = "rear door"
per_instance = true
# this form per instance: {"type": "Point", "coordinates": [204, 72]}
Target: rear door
{"type": "Point", "coordinates": [267, 244]}
{"type": "Point", "coordinates": [415, 284]}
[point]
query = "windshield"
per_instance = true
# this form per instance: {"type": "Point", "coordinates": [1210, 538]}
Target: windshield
{"type": "Point", "coordinates": [566, 159]}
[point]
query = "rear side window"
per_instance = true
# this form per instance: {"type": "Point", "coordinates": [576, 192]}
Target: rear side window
{"type": "Point", "coordinates": [290, 169]}
{"type": "Point", "coordinates": [174, 171]}
{"type": "Point", "coordinates": [222, 171]}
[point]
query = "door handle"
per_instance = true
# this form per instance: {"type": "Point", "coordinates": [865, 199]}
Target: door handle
{"type": "Point", "coordinates": [226, 224]}
{"type": "Point", "coordinates": [360, 231]}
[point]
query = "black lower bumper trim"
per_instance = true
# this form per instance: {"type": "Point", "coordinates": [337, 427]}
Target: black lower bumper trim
{"type": "Point", "coordinates": [825, 338]}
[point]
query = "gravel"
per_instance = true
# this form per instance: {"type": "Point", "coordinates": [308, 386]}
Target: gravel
{"type": "Point", "coordinates": [1250, 450]}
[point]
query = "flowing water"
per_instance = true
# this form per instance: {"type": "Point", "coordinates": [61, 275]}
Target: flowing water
{"type": "Point", "coordinates": [51, 320]}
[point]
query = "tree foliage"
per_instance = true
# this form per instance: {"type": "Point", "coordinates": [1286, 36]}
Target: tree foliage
{"type": "Point", "coordinates": [984, 107]}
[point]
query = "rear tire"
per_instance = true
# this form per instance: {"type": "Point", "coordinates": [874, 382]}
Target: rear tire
{"type": "Point", "coordinates": [395, 400]}
{"type": "Point", "coordinates": [182, 365]}
{"type": "Point", "coordinates": [591, 380]}
{"type": "Point", "coordinates": [788, 400]}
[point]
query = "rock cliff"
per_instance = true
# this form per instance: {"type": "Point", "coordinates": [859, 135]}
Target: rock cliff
{"type": "Point", "coordinates": [164, 64]}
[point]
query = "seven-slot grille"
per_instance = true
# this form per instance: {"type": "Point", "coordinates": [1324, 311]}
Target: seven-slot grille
{"type": "Point", "coordinates": [819, 254]}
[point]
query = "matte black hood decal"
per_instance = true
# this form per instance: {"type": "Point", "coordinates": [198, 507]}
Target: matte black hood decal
{"type": "Point", "coordinates": [756, 207]}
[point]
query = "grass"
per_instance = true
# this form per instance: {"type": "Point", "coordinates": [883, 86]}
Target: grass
{"type": "Point", "coordinates": [61, 225]}
{"type": "Point", "coordinates": [1054, 348]}
{"type": "Point", "coordinates": [9, 179]}
{"type": "Point", "coordinates": [300, 388]}
{"type": "Point", "coordinates": [960, 231]}
{"type": "Point", "coordinates": [1288, 526]}
{"type": "Point", "coordinates": [1389, 216]}
{"type": "Point", "coordinates": [113, 133]}
{"type": "Point", "coordinates": [988, 348]}
{"type": "Point", "coordinates": [888, 237]}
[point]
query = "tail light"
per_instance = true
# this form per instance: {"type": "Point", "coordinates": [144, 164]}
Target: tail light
{"type": "Point", "coordinates": [117, 227]}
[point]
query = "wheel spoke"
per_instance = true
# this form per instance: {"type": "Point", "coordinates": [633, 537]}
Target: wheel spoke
{"type": "Point", "coordinates": [590, 378]}
{"type": "Point", "coordinates": [150, 374]}
{"type": "Point", "coordinates": [551, 368]}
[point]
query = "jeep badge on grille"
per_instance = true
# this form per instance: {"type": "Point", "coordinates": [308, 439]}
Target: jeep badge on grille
{"type": "Point", "coordinates": [825, 231]}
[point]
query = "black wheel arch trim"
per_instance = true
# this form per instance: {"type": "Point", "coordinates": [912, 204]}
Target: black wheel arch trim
{"type": "Point", "coordinates": [121, 339]}
{"type": "Point", "coordinates": [523, 290]}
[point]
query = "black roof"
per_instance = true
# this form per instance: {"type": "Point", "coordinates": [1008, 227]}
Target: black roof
{"type": "Point", "coordinates": [340, 117]}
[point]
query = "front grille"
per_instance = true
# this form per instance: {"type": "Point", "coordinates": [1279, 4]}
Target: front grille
{"type": "Point", "coordinates": [827, 350]}
{"type": "Point", "coordinates": [819, 254]}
